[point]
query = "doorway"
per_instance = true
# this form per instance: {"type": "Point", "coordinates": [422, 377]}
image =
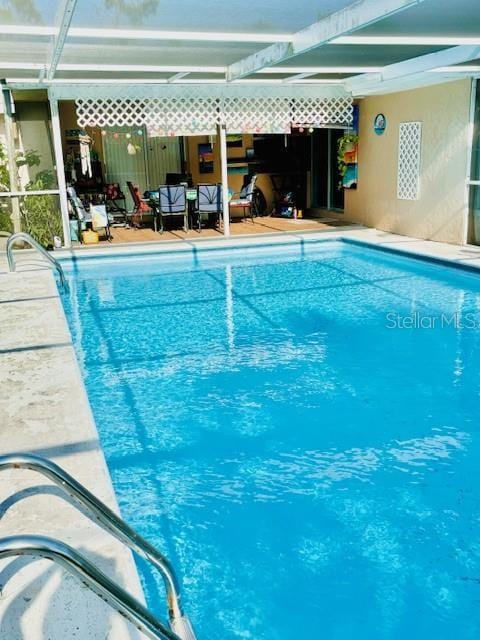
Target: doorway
{"type": "Point", "coordinates": [326, 179]}
{"type": "Point", "coordinates": [473, 231]}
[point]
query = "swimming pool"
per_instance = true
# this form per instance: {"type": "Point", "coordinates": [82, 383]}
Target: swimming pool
{"type": "Point", "coordinates": [297, 429]}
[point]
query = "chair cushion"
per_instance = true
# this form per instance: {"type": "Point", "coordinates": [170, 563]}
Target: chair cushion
{"type": "Point", "coordinates": [239, 203]}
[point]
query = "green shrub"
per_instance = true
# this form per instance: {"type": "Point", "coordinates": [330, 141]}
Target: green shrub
{"type": "Point", "coordinates": [5, 220]}
{"type": "Point", "coordinates": [40, 215]}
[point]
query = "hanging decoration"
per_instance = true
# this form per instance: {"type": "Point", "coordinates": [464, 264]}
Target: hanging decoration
{"type": "Point", "coordinates": [347, 155]}
{"type": "Point", "coordinates": [85, 161]}
{"type": "Point", "coordinates": [129, 136]}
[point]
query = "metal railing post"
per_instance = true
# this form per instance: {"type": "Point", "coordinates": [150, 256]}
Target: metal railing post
{"type": "Point", "coordinates": [88, 574]}
{"type": "Point", "coordinates": [99, 512]}
{"type": "Point", "coordinates": [26, 237]}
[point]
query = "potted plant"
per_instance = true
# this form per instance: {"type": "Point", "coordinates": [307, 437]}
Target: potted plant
{"type": "Point", "coordinates": [346, 154]}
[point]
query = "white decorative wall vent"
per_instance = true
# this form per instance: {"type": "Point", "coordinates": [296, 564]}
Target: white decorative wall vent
{"type": "Point", "coordinates": [409, 156]}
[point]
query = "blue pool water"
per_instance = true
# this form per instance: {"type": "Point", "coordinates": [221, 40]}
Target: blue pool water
{"type": "Point", "coordinates": [310, 468]}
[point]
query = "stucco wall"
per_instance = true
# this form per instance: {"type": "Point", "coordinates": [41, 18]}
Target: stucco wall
{"type": "Point", "coordinates": [441, 211]}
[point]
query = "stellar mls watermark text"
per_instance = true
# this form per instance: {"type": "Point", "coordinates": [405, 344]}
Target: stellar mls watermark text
{"type": "Point", "coordinates": [417, 320]}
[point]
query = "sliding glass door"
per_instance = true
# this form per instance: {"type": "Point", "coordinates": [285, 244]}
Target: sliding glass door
{"type": "Point", "coordinates": [473, 233]}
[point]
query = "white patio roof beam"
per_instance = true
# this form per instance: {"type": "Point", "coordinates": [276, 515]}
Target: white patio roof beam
{"type": "Point", "coordinates": [351, 18]}
{"type": "Point", "coordinates": [139, 68]}
{"type": "Point", "coordinates": [180, 72]}
{"type": "Point", "coordinates": [66, 9]}
{"type": "Point", "coordinates": [178, 76]}
{"type": "Point", "coordinates": [184, 68]}
{"type": "Point", "coordinates": [411, 68]}
{"type": "Point", "coordinates": [299, 76]}
{"type": "Point", "coordinates": [315, 70]}
{"type": "Point", "coordinates": [212, 36]}
{"type": "Point", "coordinates": [427, 41]}
{"type": "Point", "coordinates": [194, 36]}
{"type": "Point", "coordinates": [145, 34]}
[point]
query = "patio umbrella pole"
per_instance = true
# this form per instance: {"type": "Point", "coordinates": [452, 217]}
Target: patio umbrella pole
{"type": "Point", "coordinates": [222, 137]}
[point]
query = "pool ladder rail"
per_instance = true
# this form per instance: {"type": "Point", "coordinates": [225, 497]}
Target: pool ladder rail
{"type": "Point", "coordinates": [26, 237]}
{"type": "Point", "coordinates": [76, 564]}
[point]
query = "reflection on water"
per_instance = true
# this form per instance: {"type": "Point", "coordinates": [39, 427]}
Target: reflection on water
{"type": "Point", "coordinates": [279, 478]}
{"type": "Point", "coordinates": [303, 465]}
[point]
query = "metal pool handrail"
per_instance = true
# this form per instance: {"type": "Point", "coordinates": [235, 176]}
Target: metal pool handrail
{"type": "Point", "coordinates": [88, 574]}
{"type": "Point", "coordinates": [26, 237]}
{"type": "Point", "coordinates": [179, 622]}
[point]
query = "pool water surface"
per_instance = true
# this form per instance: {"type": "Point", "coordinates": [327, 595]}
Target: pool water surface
{"type": "Point", "coordinates": [297, 429]}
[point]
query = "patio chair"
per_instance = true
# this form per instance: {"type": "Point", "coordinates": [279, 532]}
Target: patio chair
{"type": "Point", "coordinates": [78, 211]}
{"type": "Point", "coordinates": [245, 199]}
{"type": "Point", "coordinates": [97, 215]}
{"type": "Point", "coordinates": [114, 195]}
{"type": "Point", "coordinates": [76, 204]}
{"type": "Point", "coordinates": [210, 201]}
{"type": "Point", "coordinates": [140, 207]}
{"type": "Point", "coordinates": [172, 201]}
{"type": "Point", "coordinates": [100, 219]}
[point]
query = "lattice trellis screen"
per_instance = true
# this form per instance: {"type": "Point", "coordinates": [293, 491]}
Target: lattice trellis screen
{"type": "Point", "coordinates": [170, 116]}
{"type": "Point", "coordinates": [409, 155]}
{"type": "Point", "coordinates": [322, 111]}
{"type": "Point", "coordinates": [256, 115]}
{"type": "Point", "coordinates": [198, 112]}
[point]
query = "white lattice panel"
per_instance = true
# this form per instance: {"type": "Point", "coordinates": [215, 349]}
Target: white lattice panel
{"type": "Point", "coordinates": [198, 111]}
{"type": "Point", "coordinates": [257, 115]}
{"type": "Point", "coordinates": [322, 111]}
{"type": "Point", "coordinates": [170, 116]}
{"type": "Point", "coordinates": [409, 156]}
{"type": "Point", "coordinates": [181, 116]}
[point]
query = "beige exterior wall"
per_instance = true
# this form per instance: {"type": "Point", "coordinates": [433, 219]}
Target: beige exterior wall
{"type": "Point", "coordinates": [441, 211]}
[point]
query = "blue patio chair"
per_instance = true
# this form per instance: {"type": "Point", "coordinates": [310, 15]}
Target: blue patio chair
{"type": "Point", "coordinates": [172, 201]}
{"type": "Point", "coordinates": [209, 201]}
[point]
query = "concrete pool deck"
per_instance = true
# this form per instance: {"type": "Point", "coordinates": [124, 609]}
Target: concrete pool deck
{"type": "Point", "coordinates": [45, 411]}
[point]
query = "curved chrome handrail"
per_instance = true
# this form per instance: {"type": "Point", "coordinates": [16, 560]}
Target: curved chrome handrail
{"type": "Point", "coordinates": [26, 237]}
{"type": "Point", "coordinates": [179, 622]}
{"type": "Point", "coordinates": [86, 572]}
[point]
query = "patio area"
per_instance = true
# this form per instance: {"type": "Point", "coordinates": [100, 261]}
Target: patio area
{"type": "Point", "coordinates": [261, 225]}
